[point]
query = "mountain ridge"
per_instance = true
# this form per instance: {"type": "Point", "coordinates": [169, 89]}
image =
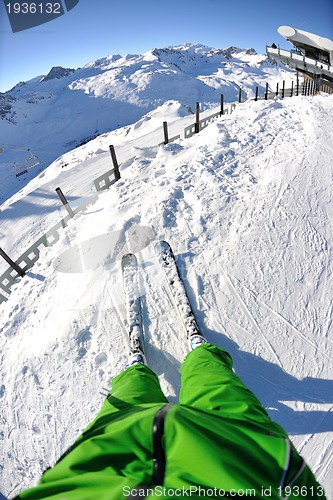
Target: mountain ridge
{"type": "Point", "coordinates": [54, 113]}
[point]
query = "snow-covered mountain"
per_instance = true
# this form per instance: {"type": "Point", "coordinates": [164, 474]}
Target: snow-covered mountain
{"type": "Point", "coordinates": [52, 114]}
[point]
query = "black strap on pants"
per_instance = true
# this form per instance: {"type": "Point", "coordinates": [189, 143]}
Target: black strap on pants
{"type": "Point", "coordinates": [158, 450]}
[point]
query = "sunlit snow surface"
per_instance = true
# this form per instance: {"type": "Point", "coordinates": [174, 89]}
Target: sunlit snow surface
{"type": "Point", "coordinates": [247, 207]}
{"type": "Point", "coordinates": [51, 115]}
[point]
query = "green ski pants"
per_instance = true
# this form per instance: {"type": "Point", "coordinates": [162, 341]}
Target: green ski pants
{"type": "Point", "coordinates": [208, 382]}
{"type": "Point", "coordinates": [218, 436]}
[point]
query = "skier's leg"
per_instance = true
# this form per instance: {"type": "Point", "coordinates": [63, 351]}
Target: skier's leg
{"type": "Point", "coordinates": [136, 385]}
{"type": "Point", "coordinates": [131, 391]}
{"type": "Point", "coordinates": [209, 383]}
{"type": "Point", "coordinates": [134, 390]}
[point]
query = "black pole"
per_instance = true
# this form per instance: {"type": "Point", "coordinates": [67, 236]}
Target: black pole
{"type": "Point", "coordinates": [197, 117]}
{"type": "Point", "coordinates": [64, 201]}
{"type": "Point", "coordinates": [277, 89]}
{"type": "Point", "coordinates": [266, 92]}
{"type": "Point", "coordinates": [283, 88]}
{"type": "Point", "coordinates": [166, 135]}
{"type": "Point", "coordinates": [13, 264]}
{"type": "Point", "coordinates": [114, 162]}
{"type": "Point", "coordinates": [240, 95]}
{"type": "Point", "coordinates": [292, 89]}
{"type": "Point", "coordinates": [256, 97]}
{"type": "Point", "coordinates": [317, 87]}
{"type": "Point", "coordinates": [222, 105]}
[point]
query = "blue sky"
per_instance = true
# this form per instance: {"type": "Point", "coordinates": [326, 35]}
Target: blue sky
{"type": "Point", "coordinates": [97, 28]}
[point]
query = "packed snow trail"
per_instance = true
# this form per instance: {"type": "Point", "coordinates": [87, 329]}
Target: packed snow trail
{"type": "Point", "coordinates": [247, 207]}
{"type": "Point", "coordinates": [39, 201]}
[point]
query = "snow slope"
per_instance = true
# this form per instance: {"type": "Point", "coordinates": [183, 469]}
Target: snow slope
{"type": "Point", "coordinates": [247, 206]}
{"type": "Point", "coordinates": [54, 114]}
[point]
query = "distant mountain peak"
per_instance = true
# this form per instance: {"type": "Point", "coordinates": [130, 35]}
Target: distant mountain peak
{"type": "Point", "coordinates": [188, 48]}
{"type": "Point", "coordinates": [229, 52]}
{"type": "Point", "coordinates": [57, 72]}
{"type": "Point", "coordinates": [193, 50]}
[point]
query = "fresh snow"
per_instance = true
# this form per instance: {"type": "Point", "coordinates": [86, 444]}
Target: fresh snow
{"type": "Point", "coordinates": [247, 207]}
{"type": "Point", "coordinates": [54, 114]}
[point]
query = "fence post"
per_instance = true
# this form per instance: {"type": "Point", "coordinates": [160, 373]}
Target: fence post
{"type": "Point", "coordinates": [240, 96]}
{"type": "Point", "coordinates": [292, 89]}
{"type": "Point", "coordinates": [13, 264]}
{"type": "Point", "coordinates": [115, 163]}
{"type": "Point", "coordinates": [166, 135]}
{"type": "Point", "coordinates": [266, 92]}
{"type": "Point", "coordinates": [64, 201]}
{"type": "Point", "coordinates": [283, 88]}
{"type": "Point", "coordinates": [222, 105]}
{"type": "Point", "coordinates": [256, 97]}
{"type": "Point", "coordinates": [277, 89]}
{"type": "Point", "coordinates": [197, 117]}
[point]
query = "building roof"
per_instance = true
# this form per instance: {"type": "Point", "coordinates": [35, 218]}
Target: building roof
{"type": "Point", "coordinates": [311, 45]}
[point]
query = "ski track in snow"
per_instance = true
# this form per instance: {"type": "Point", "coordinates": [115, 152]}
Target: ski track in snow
{"type": "Point", "coordinates": [252, 319]}
{"type": "Point", "coordinates": [247, 207]}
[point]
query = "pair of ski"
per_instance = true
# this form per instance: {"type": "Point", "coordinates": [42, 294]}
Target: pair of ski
{"type": "Point", "coordinates": [174, 285]}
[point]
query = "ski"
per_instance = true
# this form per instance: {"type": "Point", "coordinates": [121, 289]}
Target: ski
{"type": "Point", "coordinates": [175, 287]}
{"type": "Point", "coordinates": [131, 283]}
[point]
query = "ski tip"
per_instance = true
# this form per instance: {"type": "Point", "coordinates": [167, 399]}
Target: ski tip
{"type": "Point", "coordinates": [162, 245]}
{"type": "Point", "coordinates": [129, 259]}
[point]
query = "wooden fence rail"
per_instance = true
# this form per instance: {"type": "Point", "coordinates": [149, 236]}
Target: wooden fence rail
{"type": "Point", "coordinates": [19, 267]}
